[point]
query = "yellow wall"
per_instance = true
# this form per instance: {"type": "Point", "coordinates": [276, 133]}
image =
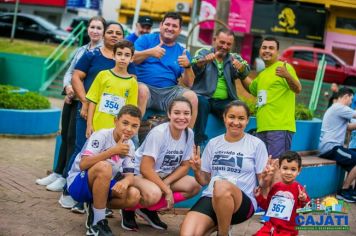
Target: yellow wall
{"type": "Point", "coordinates": [340, 12]}
{"type": "Point", "coordinates": [154, 8]}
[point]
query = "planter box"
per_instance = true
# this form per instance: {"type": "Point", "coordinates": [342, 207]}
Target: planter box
{"type": "Point", "coordinates": [29, 122]}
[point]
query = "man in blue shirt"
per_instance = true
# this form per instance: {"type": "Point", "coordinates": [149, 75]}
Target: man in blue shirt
{"type": "Point", "coordinates": [160, 64]}
{"type": "Point", "coordinates": [143, 26]}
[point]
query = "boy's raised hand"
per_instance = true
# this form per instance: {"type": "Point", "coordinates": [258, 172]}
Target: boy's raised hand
{"type": "Point", "coordinates": [302, 196]}
{"type": "Point", "coordinates": [195, 161]}
{"type": "Point", "coordinates": [122, 147]}
{"type": "Point", "coordinates": [268, 172]}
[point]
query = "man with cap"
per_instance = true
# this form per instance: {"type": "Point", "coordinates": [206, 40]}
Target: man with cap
{"type": "Point", "coordinates": [143, 26]}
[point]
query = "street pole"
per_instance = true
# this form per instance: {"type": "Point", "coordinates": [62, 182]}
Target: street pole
{"type": "Point", "coordinates": [14, 21]}
{"type": "Point", "coordinates": [222, 13]}
{"type": "Point", "coordinates": [137, 13]}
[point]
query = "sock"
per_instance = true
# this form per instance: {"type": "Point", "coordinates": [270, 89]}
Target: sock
{"type": "Point", "coordinates": [177, 196]}
{"type": "Point", "coordinates": [99, 214]}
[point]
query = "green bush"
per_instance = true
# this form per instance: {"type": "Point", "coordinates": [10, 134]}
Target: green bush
{"type": "Point", "coordinates": [21, 101]}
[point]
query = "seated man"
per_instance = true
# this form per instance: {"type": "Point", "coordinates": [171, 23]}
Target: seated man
{"type": "Point", "coordinates": [160, 62]}
{"type": "Point", "coordinates": [333, 130]}
{"type": "Point", "coordinates": [216, 70]}
{"type": "Point", "coordinates": [95, 174]}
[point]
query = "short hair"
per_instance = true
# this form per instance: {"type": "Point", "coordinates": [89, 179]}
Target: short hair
{"type": "Point", "coordinates": [124, 44]}
{"type": "Point", "coordinates": [173, 15]}
{"type": "Point", "coordinates": [237, 103]}
{"type": "Point", "coordinates": [290, 156]}
{"type": "Point", "coordinates": [344, 91]}
{"type": "Point", "coordinates": [130, 110]}
{"type": "Point", "coordinates": [98, 18]}
{"type": "Point", "coordinates": [271, 39]}
{"type": "Point", "coordinates": [114, 23]}
{"type": "Point", "coordinates": [225, 31]}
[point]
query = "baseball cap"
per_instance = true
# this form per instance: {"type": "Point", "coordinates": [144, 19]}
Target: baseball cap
{"type": "Point", "coordinates": [145, 20]}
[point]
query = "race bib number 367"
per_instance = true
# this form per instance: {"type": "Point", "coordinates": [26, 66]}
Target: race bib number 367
{"type": "Point", "coordinates": [280, 207]}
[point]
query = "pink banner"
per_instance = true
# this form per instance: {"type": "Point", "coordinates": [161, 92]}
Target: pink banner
{"type": "Point", "coordinates": [239, 18]}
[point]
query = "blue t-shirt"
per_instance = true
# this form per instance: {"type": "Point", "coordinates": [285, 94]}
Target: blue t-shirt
{"type": "Point", "coordinates": [132, 37]}
{"type": "Point", "coordinates": [91, 63]}
{"type": "Point", "coordinates": [163, 72]}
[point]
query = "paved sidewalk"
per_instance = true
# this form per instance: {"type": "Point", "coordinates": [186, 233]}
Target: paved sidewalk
{"type": "Point", "coordinates": [28, 209]}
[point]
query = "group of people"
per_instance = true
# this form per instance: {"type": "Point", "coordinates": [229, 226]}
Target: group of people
{"type": "Point", "coordinates": [110, 84]}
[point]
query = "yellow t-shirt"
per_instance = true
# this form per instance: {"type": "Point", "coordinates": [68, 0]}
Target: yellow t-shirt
{"type": "Point", "coordinates": [110, 93]}
{"type": "Point", "coordinates": [275, 100]}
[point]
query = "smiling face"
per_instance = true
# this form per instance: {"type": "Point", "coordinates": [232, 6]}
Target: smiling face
{"type": "Point", "coordinates": [289, 171]}
{"type": "Point", "coordinates": [170, 30]}
{"type": "Point", "coordinates": [180, 115]}
{"type": "Point", "coordinates": [223, 43]}
{"type": "Point", "coordinates": [95, 31]}
{"type": "Point", "coordinates": [126, 125]}
{"type": "Point", "coordinates": [112, 35]}
{"type": "Point", "coordinates": [236, 120]}
{"type": "Point", "coordinates": [143, 29]}
{"type": "Point", "coordinates": [269, 52]}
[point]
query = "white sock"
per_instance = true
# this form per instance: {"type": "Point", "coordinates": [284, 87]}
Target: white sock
{"type": "Point", "coordinates": [99, 214]}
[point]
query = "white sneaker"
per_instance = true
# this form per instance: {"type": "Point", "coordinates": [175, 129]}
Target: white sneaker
{"type": "Point", "coordinates": [57, 185]}
{"type": "Point", "coordinates": [48, 179]}
{"type": "Point", "coordinates": [66, 201]}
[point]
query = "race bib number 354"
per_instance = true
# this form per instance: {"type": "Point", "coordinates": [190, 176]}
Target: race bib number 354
{"type": "Point", "coordinates": [111, 104]}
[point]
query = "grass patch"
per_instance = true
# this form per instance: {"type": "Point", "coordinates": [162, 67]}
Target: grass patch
{"type": "Point", "coordinates": [31, 48]}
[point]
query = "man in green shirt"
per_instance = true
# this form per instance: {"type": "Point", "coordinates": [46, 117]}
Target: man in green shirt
{"type": "Point", "coordinates": [275, 88]}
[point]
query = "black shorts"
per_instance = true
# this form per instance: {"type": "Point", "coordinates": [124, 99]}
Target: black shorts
{"type": "Point", "coordinates": [205, 206]}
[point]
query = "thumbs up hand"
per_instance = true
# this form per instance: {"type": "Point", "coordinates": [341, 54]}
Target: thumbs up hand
{"type": "Point", "coordinates": [237, 65]}
{"type": "Point", "coordinates": [183, 60]}
{"type": "Point", "coordinates": [282, 70]}
{"type": "Point", "coordinates": [158, 51]}
{"type": "Point", "coordinates": [122, 147]}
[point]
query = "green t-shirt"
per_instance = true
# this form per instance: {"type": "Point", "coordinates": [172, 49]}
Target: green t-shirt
{"type": "Point", "coordinates": [221, 86]}
{"type": "Point", "coordinates": [275, 100]}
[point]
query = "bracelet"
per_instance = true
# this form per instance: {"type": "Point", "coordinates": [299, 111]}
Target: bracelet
{"type": "Point", "coordinates": [187, 67]}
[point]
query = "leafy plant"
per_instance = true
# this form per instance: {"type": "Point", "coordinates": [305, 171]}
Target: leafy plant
{"type": "Point", "coordinates": [10, 99]}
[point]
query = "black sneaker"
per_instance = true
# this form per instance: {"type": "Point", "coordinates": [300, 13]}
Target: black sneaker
{"type": "Point", "coordinates": [78, 208]}
{"type": "Point", "coordinates": [152, 218]}
{"type": "Point", "coordinates": [345, 195]}
{"type": "Point", "coordinates": [100, 229]}
{"type": "Point", "coordinates": [108, 213]}
{"type": "Point", "coordinates": [90, 215]}
{"type": "Point", "coordinates": [128, 221]}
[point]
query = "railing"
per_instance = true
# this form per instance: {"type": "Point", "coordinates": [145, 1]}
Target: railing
{"type": "Point", "coordinates": [52, 65]}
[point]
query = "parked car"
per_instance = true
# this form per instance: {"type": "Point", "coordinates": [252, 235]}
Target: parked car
{"type": "Point", "coordinates": [305, 61]}
{"type": "Point", "coordinates": [31, 27]}
{"type": "Point", "coordinates": [86, 39]}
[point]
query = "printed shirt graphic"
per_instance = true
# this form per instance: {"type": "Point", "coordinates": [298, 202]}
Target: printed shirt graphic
{"type": "Point", "coordinates": [275, 99]}
{"type": "Point", "coordinates": [110, 92]}
{"type": "Point", "coordinates": [98, 142]}
{"type": "Point", "coordinates": [237, 162]}
{"type": "Point", "coordinates": [167, 152]}
{"type": "Point", "coordinates": [289, 191]}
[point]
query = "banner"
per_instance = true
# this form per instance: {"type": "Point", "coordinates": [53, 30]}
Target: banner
{"type": "Point", "coordinates": [90, 4]}
{"type": "Point", "coordinates": [239, 17]}
{"type": "Point", "coordinates": [289, 20]}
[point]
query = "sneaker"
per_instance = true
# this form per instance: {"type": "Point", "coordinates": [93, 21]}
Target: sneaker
{"type": "Point", "coordinates": [66, 201]}
{"type": "Point", "coordinates": [128, 221]}
{"type": "Point", "coordinates": [109, 213]}
{"type": "Point", "coordinates": [345, 195]}
{"type": "Point", "coordinates": [57, 185]}
{"type": "Point", "coordinates": [100, 229]}
{"type": "Point", "coordinates": [90, 215]}
{"type": "Point", "coordinates": [152, 218]}
{"type": "Point", "coordinates": [264, 219]}
{"type": "Point", "coordinates": [259, 212]}
{"type": "Point", "coordinates": [78, 208]}
{"type": "Point", "coordinates": [48, 179]}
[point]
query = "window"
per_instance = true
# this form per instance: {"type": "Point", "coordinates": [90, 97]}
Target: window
{"type": "Point", "coordinates": [6, 19]}
{"type": "Point", "coordinates": [304, 55]}
{"type": "Point", "coordinates": [345, 23]}
{"type": "Point", "coordinates": [330, 61]}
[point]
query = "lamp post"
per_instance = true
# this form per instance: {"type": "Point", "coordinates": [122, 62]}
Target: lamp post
{"type": "Point", "coordinates": [137, 13]}
{"type": "Point", "coordinates": [14, 21]}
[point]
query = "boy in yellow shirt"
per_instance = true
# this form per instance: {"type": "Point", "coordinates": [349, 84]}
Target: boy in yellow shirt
{"type": "Point", "coordinates": [111, 90]}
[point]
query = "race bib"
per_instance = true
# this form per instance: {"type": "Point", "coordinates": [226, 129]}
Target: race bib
{"type": "Point", "coordinates": [261, 98]}
{"type": "Point", "coordinates": [111, 104]}
{"type": "Point", "coordinates": [231, 179]}
{"type": "Point", "coordinates": [280, 207]}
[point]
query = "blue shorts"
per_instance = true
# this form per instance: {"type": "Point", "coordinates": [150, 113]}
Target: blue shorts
{"type": "Point", "coordinates": [344, 157]}
{"type": "Point", "coordinates": [80, 191]}
{"type": "Point", "coordinates": [277, 141]}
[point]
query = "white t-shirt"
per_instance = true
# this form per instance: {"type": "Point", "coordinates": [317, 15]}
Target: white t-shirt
{"type": "Point", "coordinates": [167, 152]}
{"type": "Point", "coordinates": [98, 142]}
{"type": "Point", "coordinates": [237, 162]}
